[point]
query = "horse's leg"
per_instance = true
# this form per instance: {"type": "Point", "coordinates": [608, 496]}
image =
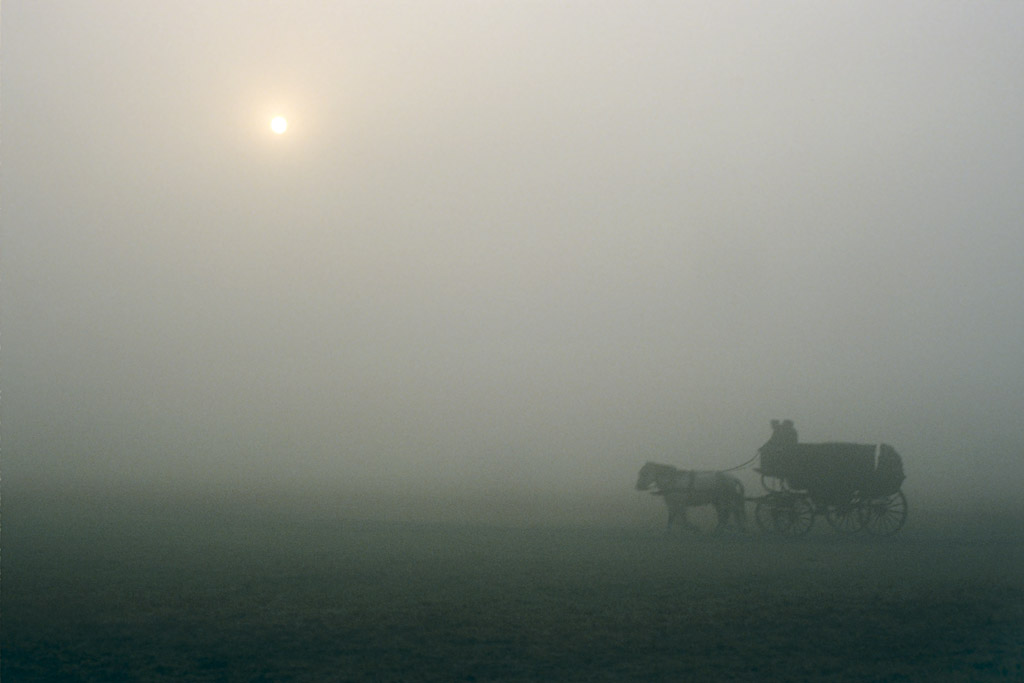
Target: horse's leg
{"type": "Point", "coordinates": [689, 526]}
{"type": "Point", "coordinates": [674, 509]}
{"type": "Point", "coordinates": [684, 521]}
{"type": "Point", "coordinates": [722, 511]}
{"type": "Point", "coordinates": [671, 516]}
{"type": "Point", "coordinates": [740, 510]}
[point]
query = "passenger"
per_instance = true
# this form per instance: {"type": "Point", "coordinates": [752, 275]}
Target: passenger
{"type": "Point", "coordinates": [786, 434]}
{"type": "Point", "coordinates": [783, 436]}
{"type": "Point", "coordinates": [771, 451]}
{"type": "Point", "coordinates": [773, 442]}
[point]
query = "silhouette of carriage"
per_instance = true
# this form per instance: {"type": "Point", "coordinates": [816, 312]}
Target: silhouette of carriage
{"type": "Point", "coordinates": [855, 486]}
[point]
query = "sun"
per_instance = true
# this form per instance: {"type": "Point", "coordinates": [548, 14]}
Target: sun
{"type": "Point", "coordinates": [279, 124]}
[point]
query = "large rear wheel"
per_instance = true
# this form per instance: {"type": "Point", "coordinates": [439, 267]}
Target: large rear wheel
{"type": "Point", "coordinates": [884, 516]}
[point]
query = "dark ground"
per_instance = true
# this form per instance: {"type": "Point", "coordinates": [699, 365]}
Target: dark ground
{"type": "Point", "coordinates": [116, 591]}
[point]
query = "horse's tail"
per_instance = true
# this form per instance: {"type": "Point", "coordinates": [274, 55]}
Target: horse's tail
{"type": "Point", "coordinates": [739, 498]}
{"type": "Point", "coordinates": [741, 503]}
{"type": "Point", "coordinates": [734, 485]}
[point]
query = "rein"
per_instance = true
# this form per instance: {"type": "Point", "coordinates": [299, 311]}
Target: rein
{"type": "Point", "coordinates": [740, 467]}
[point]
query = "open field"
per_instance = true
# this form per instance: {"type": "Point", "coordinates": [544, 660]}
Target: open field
{"type": "Point", "coordinates": [128, 592]}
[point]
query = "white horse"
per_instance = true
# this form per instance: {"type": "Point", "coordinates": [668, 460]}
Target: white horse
{"type": "Point", "coordinates": [692, 488]}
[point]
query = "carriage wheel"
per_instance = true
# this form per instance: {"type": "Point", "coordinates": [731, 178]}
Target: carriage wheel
{"type": "Point", "coordinates": [763, 514]}
{"type": "Point", "coordinates": [845, 518]}
{"type": "Point", "coordinates": [884, 516]}
{"type": "Point", "coordinates": [787, 514]}
{"type": "Point", "coordinates": [797, 516]}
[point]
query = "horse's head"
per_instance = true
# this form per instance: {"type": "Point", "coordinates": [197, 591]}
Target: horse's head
{"type": "Point", "coordinates": [649, 475]}
{"type": "Point", "coordinates": [645, 478]}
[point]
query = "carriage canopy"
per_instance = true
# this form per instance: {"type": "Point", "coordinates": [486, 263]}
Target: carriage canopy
{"type": "Point", "coordinates": [836, 470]}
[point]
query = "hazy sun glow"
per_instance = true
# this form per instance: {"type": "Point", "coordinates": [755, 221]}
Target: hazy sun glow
{"type": "Point", "coordinates": [279, 124]}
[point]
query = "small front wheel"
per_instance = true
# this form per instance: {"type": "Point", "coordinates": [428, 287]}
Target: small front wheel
{"type": "Point", "coordinates": [763, 514]}
{"type": "Point", "coordinates": [788, 514]}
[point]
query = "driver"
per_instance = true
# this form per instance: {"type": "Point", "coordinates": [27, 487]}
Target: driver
{"type": "Point", "coordinates": [783, 436]}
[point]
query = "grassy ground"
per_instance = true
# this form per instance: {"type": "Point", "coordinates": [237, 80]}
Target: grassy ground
{"type": "Point", "coordinates": [126, 592]}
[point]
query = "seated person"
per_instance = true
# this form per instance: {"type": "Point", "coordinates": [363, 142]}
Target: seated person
{"type": "Point", "coordinates": [787, 434]}
{"type": "Point", "coordinates": [783, 437]}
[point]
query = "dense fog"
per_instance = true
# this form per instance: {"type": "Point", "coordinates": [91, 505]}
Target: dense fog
{"type": "Point", "coordinates": [507, 251]}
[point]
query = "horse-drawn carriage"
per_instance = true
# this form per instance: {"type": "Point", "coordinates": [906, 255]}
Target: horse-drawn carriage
{"type": "Point", "coordinates": [856, 486]}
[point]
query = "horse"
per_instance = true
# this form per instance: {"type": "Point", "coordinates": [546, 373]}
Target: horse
{"type": "Point", "coordinates": [692, 488]}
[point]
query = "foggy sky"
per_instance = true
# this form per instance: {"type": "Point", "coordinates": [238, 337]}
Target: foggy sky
{"type": "Point", "coordinates": [508, 244]}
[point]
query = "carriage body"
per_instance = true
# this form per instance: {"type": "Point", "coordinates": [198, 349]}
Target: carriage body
{"type": "Point", "coordinates": [856, 486]}
{"type": "Point", "coordinates": [834, 472]}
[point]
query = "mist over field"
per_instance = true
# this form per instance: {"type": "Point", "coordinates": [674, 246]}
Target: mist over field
{"type": "Point", "coordinates": [504, 253]}
{"type": "Point", "coordinates": [508, 245]}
